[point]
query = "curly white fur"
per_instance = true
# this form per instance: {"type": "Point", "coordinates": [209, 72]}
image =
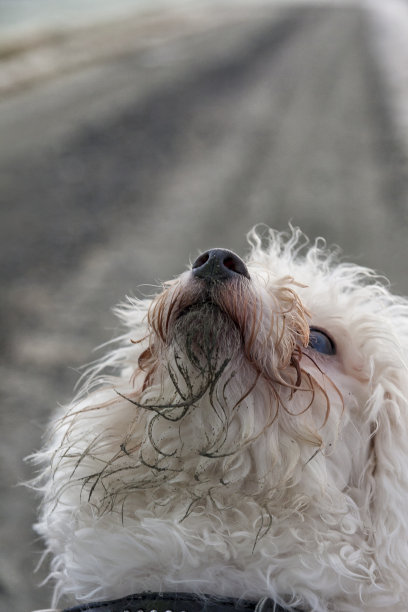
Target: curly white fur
{"type": "Point", "coordinates": [216, 452]}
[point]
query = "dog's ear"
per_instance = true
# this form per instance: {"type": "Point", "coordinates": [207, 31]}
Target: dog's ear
{"type": "Point", "coordinates": [387, 480]}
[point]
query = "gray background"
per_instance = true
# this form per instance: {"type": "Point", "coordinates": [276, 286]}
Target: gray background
{"type": "Point", "coordinates": [119, 165]}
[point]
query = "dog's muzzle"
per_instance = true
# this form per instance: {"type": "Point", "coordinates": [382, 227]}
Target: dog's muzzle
{"type": "Point", "coordinates": [213, 272]}
{"type": "Point", "coordinates": [178, 602]}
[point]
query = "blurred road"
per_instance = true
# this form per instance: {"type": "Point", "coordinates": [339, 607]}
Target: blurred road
{"type": "Point", "coordinates": [116, 175]}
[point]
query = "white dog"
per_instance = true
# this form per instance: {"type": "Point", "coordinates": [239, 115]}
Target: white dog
{"type": "Point", "coordinates": [246, 442]}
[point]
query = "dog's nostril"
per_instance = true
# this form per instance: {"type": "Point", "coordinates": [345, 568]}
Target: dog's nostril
{"type": "Point", "coordinates": [201, 260]}
{"type": "Point", "coordinates": [231, 264]}
{"type": "Point", "coordinates": [219, 264]}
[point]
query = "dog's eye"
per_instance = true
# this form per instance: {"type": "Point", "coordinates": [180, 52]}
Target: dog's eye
{"type": "Point", "coordinates": [321, 342]}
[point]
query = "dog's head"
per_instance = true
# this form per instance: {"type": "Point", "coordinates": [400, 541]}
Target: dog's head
{"type": "Point", "coordinates": [272, 388]}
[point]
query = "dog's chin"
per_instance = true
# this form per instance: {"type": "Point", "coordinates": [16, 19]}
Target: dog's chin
{"type": "Point", "coordinates": [206, 326]}
{"type": "Point", "coordinates": [205, 318]}
{"type": "Point", "coordinates": [203, 310]}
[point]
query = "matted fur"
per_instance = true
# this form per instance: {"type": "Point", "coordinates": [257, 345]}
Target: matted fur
{"type": "Point", "coordinates": [214, 451]}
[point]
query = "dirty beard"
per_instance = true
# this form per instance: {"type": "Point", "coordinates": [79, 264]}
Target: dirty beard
{"type": "Point", "coordinates": [183, 424]}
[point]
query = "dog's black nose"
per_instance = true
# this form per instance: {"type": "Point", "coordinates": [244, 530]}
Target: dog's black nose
{"type": "Point", "coordinates": [218, 265]}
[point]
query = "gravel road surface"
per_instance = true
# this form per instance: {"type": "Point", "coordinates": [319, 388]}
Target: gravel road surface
{"type": "Point", "coordinates": [113, 177]}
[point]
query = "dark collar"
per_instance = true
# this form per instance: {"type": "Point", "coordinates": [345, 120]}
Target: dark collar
{"type": "Point", "coordinates": [178, 602]}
